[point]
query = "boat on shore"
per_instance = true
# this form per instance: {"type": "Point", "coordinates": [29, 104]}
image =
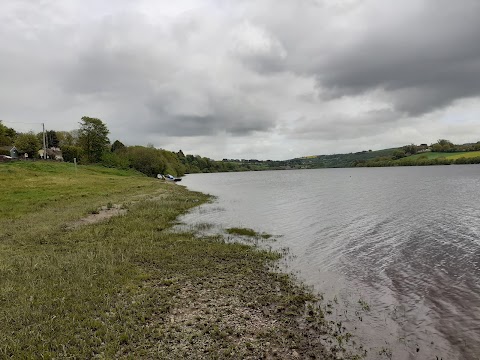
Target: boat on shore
{"type": "Point", "coordinates": [169, 177]}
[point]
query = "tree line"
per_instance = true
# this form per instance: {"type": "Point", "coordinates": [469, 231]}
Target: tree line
{"type": "Point", "coordinates": [421, 161]}
{"type": "Point", "coordinates": [442, 145]}
{"type": "Point", "coordinates": [90, 144]}
{"type": "Point", "coordinates": [402, 156]}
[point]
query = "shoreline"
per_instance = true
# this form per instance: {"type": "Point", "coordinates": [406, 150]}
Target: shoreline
{"type": "Point", "coordinates": [129, 287]}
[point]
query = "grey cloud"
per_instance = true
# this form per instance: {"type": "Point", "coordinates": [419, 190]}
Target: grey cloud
{"type": "Point", "coordinates": [256, 48]}
{"type": "Point", "coordinates": [425, 62]}
{"type": "Point", "coordinates": [224, 115]}
{"type": "Point", "coordinates": [175, 97]}
{"type": "Point", "coordinates": [184, 125]}
{"type": "Point", "coordinates": [243, 71]}
{"type": "Point", "coordinates": [428, 47]}
{"type": "Point", "coordinates": [342, 127]}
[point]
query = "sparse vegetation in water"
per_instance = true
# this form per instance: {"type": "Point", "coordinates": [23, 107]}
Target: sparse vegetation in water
{"type": "Point", "coordinates": [125, 288]}
{"type": "Point", "coordinates": [241, 231]}
{"type": "Point", "coordinates": [364, 305]}
{"type": "Point", "coordinates": [247, 232]}
{"type": "Point", "coordinates": [203, 226]}
{"type": "Point", "coordinates": [386, 352]}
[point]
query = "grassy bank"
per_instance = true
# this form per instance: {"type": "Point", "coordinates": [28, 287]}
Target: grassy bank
{"type": "Point", "coordinates": [426, 159]}
{"type": "Point", "coordinates": [127, 286]}
{"type": "Point", "coordinates": [436, 155]}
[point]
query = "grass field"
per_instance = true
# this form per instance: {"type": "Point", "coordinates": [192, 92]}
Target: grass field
{"type": "Point", "coordinates": [129, 287]}
{"type": "Point", "coordinates": [470, 154]}
{"type": "Point", "coordinates": [435, 155]}
{"type": "Point", "coordinates": [449, 155]}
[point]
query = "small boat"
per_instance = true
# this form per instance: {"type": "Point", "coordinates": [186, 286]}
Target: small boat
{"type": "Point", "coordinates": [169, 177]}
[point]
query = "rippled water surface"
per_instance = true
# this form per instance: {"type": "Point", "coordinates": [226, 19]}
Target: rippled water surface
{"type": "Point", "coordinates": [398, 249]}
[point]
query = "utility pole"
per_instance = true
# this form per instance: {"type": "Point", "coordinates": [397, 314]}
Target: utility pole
{"type": "Point", "coordinates": [44, 143]}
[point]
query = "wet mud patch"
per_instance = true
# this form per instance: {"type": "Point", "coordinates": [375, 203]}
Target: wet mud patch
{"type": "Point", "coordinates": [110, 210]}
{"type": "Point", "coordinates": [102, 214]}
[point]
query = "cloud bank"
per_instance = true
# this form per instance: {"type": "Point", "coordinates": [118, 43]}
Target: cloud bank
{"type": "Point", "coordinates": [248, 79]}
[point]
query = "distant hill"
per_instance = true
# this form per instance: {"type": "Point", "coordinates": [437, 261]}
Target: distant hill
{"type": "Point", "coordinates": [342, 160]}
{"type": "Point", "coordinates": [441, 153]}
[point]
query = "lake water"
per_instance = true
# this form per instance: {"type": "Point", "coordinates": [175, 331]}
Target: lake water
{"type": "Point", "coordinates": [397, 250]}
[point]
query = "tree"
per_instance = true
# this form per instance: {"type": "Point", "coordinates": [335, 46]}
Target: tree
{"type": "Point", "coordinates": [70, 152]}
{"type": "Point", "coordinates": [7, 135]}
{"type": "Point", "coordinates": [67, 138]}
{"type": "Point", "coordinates": [410, 149]}
{"type": "Point", "coordinates": [93, 138]}
{"type": "Point", "coordinates": [398, 154]}
{"type": "Point", "coordinates": [445, 145]}
{"type": "Point", "coordinates": [436, 147]}
{"type": "Point", "coordinates": [444, 142]}
{"type": "Point", "coordinates": [28, 143]}
{"type": "Point", "coordinates": [115, 160]}
{"type": "Point", "coordinates": [39, 136]}
{"type": "Point", "coordinates": [117, 146]}
{"type": "Point", "coordinates": [146, 160]}
{"type": "Point", "coordinates": [52, 139]}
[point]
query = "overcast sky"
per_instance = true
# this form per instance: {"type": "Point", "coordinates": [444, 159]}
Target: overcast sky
{"type": "Point", "coordinates": [264, 79]}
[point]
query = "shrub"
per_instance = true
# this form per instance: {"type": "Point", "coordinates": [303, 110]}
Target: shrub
{"type": "Point", "coordinates": [115, 160]}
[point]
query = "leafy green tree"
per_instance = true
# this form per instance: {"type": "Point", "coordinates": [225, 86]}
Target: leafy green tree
{"type": "Point", "coordinates": [444, 142]}
{"type": "Point", "coordinates": [146, 160]}
{"type": "Point", "coordinates": [28, 143]}
{"type": "Point", "coordinates": [93, 138]}
{"type": "Point", "coordinates": [410, 149]}
{"type": "Point", "coordinates": [445, 145]}
{"type": "Point", "coordinates": [115, 160]}
{"type": "Point", "coordinates": [70, 152]}
{"type": "Point", "coordinates": [436, 147]}
{"type": "Point", "coordinates": [52, 139]}
{"type": "Point", "coordinates": [398, 154]}
{"type": "Point", "coordinates": [7, 135]}
{"type": "Point", "coordinates": [39, 136]}
{"type": "Point", "coordinates": [117, 146]}
{"type": "Point", "coordinates": [67, 138]}
{"type": "Point", "coordinates": [150, 161]}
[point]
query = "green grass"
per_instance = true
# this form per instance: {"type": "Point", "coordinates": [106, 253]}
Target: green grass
{"type": "Point", "coordinates": [128, 288]}
{"type": "Point", "coordinates": [29, 188]}
{"type": "Point", "coordinates": [470, 154]}
{"type": "Point", "coordinates": [447, 155]}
